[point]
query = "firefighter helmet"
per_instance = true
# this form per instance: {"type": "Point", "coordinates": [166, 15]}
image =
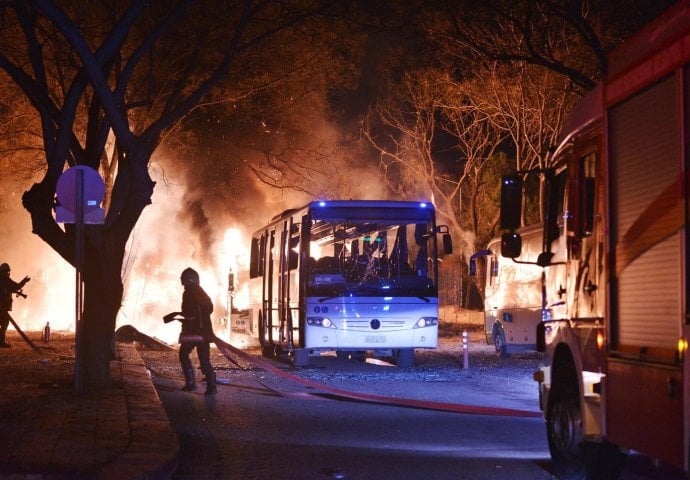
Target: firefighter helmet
{"type": "Point", "coordinates": [4, 268]}
{"type": "Point", "coordinates": [189, 276]}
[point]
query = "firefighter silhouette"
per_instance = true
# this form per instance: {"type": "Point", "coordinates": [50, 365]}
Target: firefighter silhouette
{"type": "Point", "coordinates": [197, 331]}
{"type": "Point", "coordinates": [7, 288]}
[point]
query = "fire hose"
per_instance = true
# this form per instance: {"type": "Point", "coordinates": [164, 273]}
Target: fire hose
{"type": "Point", "coordinates": [33, 346]}
{"type": "Point", "coordinates": [227, 350]}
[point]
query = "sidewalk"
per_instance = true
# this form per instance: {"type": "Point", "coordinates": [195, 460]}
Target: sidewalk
{"type": "Point", "coordinates": [49, 432]}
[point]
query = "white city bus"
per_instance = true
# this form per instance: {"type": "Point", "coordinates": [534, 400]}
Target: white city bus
{"type": "Point", "coordinates": [347, 276]}
{"type": "Point", "coordinates": [514, 301]}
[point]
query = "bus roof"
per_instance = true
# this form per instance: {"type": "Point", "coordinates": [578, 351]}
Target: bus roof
{"type": "Point", "coordinates": [371, 209]}
{"type": "Point", "coordinates": [369, 204]}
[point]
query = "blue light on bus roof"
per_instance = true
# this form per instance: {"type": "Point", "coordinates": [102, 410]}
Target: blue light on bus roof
{"type": "Point", "coordinates": [423, 204]}
{"type": "Point", "coordinates": [322, 203]}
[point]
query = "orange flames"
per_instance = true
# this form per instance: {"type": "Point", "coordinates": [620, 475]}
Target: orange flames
{"type": "Point", "coordinates": [152, 288]}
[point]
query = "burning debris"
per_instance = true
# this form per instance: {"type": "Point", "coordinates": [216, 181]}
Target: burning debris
{"type": "Point", "coordinates": [128, 333]}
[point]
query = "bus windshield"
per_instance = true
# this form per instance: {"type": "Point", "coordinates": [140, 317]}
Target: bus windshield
{"type": "Point", "coordinates": [371, 257]}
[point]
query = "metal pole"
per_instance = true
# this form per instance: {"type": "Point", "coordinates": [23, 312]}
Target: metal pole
{"type": "Point", "coordinates": [465, 351]}
{"type": "Point", "coordinates": [231, 294]}
{"type": "Point", "coordinates": [79, 288]}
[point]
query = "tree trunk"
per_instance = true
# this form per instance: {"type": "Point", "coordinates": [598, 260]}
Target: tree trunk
{"type": "Point", "coordinates": [102, 298]}
{"type": "Point", "coordinates": [103, 287]}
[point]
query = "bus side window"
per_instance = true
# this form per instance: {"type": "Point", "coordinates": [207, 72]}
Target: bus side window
{"type": "Point", "coordinates": [293, 256]}
{"type": "Point", "coordinates": [491, 269]}
{"type": "Point", "coordinates": [256, 257]}
{"type": "Point", "coordinates": [311, 265]}
{"type": "Point", "coordinates": [253, 259]}
{"type": "Point", "coordinates": [327, 265]}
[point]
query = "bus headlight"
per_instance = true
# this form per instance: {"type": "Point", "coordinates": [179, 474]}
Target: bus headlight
{"type": "Point", "coordinates": [426, 322]}
{"type": "Point", "coordinates": [320, 322]}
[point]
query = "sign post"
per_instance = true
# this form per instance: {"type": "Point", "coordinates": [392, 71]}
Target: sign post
{"type": "Point", "coordinates": [80, 192]}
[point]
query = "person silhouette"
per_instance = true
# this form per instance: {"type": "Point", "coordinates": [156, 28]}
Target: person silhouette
{"type": "Point", "coordinates": [197, 331]}
{"type": "Point", "coordinates": [7, 288]}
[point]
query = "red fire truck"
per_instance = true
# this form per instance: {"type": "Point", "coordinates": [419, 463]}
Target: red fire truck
{"type": "Point", "coordinates": [615, 256]}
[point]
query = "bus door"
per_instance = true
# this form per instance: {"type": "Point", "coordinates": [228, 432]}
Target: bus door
{"type": "Point", "coordinates": [644, 384]}
{"type": "Point", "coordinates": [292, 300]}
{"type": "Point", "coordinates": [283, 285]}
{"type": "Point", "coordinates": [288, 283]}
{"type": "Point", "coordinates": [270, 290]}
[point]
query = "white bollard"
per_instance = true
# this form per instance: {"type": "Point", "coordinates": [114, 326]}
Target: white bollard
{"type": "Point", "coordinates": [465, 351]}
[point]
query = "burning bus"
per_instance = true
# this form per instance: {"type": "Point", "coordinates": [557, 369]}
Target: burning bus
{"type": "Point", "coordinates": [347, 276]}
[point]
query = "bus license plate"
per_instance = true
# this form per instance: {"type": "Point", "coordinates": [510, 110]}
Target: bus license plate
{"type": "Point", "coordinates": [376, 339]}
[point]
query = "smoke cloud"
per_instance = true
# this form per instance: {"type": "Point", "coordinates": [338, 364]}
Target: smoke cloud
{"type": "Point", "coordinates": [202, 216]}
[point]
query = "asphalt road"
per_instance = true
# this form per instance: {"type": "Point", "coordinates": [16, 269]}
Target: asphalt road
{"type": "Point", "coordinates": [252, 432]}
{"type": "Point", "coordinates": [263, 426]}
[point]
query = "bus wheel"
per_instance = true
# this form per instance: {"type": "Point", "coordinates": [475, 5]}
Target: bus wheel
{"type": "Point", "coordinates": [404, 357]}
{"type": "Point", "coordinates": [574, 457]}
{"type": "Point", "coordinates": [300, 357]}
{"type": "Point", "coordinates": [267, 349]}
{"type": "Point", "coordinates": [262, 327]}
{"type": "Point", "coordinates": [499, 339]}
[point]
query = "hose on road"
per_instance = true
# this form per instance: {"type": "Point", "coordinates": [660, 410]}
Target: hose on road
{"type": "Point", "coordinates": [228, 350]}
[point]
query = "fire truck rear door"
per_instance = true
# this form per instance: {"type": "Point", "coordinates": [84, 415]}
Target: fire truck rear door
{"type": "Point", "coordinates": [644, 390]}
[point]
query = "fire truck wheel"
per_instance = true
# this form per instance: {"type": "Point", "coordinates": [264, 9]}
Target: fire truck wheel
{"type": "Point", "coordinates": [499, 339]}
{"type": "Point", "coordinates": [564, 434]}
{"type": "Point", "coordinates": [574, 457]}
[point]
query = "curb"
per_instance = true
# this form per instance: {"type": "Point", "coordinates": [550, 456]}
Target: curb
{"type": "Point", "coordinates": [153, 451]}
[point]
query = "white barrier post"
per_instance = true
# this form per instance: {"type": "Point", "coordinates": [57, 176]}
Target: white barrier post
{"type": "Point", "coordinates": [465, 351]}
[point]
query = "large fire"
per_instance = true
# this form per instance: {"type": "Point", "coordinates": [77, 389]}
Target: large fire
{"type": "Point", "coordinates": [152, 286]}
{"type": "Point", "coordinates": [154, 289]}
{"type": "Point", "coordinates": [184, 227]}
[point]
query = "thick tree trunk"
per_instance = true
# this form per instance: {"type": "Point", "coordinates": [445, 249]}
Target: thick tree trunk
{"type": "Point", "coordinates": [102, 298]}
{"type": "Point", "coordinates": [103, 287]}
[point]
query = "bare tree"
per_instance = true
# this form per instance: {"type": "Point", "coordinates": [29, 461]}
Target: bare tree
{"type": "Point", "coordinates": [530, 105]}
{"type": "Point", "coordinates": [108, 80]}
{"type": "Point", "coordinates": [479, 140]}
{"type": "Point", "coordinates": [415, 162]}
{"type": "Point", "coordinates": [568, 37]}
